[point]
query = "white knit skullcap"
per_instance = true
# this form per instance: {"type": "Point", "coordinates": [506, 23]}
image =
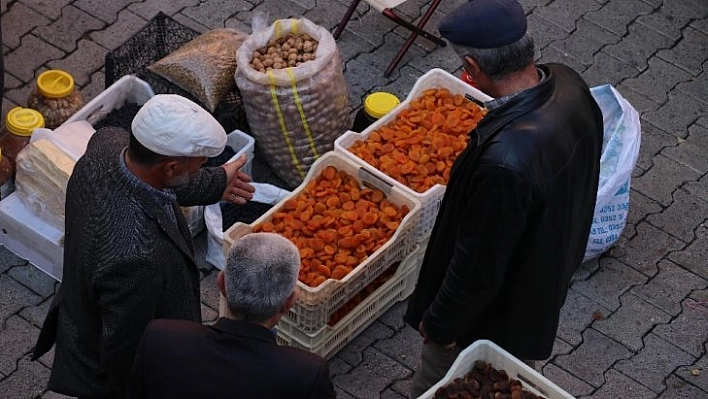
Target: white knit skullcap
{"type": "Point", "coordinates": [172, 125]}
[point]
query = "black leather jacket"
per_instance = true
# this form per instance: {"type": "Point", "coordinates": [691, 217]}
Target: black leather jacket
{"type": "Point", "coordinates": [514, 222]}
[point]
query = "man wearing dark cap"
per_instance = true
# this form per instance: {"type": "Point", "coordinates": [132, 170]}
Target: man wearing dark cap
{"type": "Point", "coordinates": [128, 254]}
{"type": "Point", "coordinates": [515, 219]}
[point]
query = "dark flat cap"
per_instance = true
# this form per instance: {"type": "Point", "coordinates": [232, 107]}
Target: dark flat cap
{"type": "Point", "coordinates": [484, 23]}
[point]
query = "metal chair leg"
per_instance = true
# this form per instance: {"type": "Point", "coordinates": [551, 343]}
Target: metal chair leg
{"type": "Point", "coordinates": [346, 18]}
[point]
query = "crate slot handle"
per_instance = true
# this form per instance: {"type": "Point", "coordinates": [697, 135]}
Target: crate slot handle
{"type": "Point", "coordinates": [531, 384]}
{"type": "Point", "coordinates": [370, 180]}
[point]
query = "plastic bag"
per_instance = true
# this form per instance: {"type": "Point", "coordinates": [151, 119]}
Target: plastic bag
{"type": "Point", "coordinates": [620, 149]}
{"type": "Point", "coordinates": [295, 114]}
{"type": "Point", "coordinates": [265, 193]}
{"type": "Point", "coordinates": [204, 66]}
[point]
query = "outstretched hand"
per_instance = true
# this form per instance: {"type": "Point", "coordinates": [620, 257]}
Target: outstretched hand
{"type": "Point", "coordinates": [238, 190]}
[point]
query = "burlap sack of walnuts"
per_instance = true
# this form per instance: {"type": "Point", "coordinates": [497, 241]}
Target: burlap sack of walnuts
{"type": "Point", "coordinates": [204, 66]}
{"type": "Point", "coordinates": [295, 114]}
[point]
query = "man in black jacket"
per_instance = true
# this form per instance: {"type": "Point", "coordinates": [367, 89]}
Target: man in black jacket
{"type": "Point", "coordinates": [128, 254]}
{"type": "Point", "coordinates": [238, 355]}
{"type": "Point", "coordinates": [515, 218]}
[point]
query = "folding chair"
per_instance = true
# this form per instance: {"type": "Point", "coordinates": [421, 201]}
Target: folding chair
{"type": "Point", "coordinates": [386, 8]}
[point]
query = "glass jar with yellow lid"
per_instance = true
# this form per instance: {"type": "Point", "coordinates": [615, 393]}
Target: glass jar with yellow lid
{"type": "Point", "coordinates": [376, 105]}
{"type": "Point", "coordinates": [19, 125]}
{"type": "Point", "coordinates": [55, 96]}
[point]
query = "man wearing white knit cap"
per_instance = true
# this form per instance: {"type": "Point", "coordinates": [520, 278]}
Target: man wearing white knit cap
{"type": "Point", "coordinates": [128, 254]}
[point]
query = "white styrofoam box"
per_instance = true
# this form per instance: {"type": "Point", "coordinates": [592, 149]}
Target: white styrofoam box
{"type": "Point", "coordinates": [129, 88]}
{"type": "Point", "coordinates": [315, 305]}
{"type": "Point", "coordinates": [241, 143]}
{"type": "Point", "coordinates": [431, 199]}
{"type": "Point", "coordinates": [28, 236]}
{"type": "Point", "coordinates": [330, 339]}
{"type": "Point", "coordinates": [500, 359]}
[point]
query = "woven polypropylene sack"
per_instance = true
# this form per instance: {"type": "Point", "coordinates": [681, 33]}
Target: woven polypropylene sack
{"type": "Point", "coordinates": [295, 114]}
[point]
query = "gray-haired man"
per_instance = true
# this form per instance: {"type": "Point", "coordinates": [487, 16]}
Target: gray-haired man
{"type": "Point", "coordinates": [238, 355]}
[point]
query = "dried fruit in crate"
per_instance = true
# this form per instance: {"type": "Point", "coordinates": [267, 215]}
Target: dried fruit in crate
{"type": "Point", "coordinates": [360, 296]}
{"type": "Point", "coordinates": [419, 146]}
{"type": "Point", "coordinates": [288, 51]}
{"type": "Point", "coordinates": [336, 224]}
{"type": "Point", "coordinates": [485, 381]}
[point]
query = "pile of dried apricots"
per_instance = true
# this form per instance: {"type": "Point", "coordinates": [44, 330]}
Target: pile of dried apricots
{"type": "Point", "coordinates": [420, 145]}
{"type": "Point", "coordinates": [335, 223]}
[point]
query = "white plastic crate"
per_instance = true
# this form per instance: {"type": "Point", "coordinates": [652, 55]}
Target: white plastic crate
{"type": "Point", "coordinates": [329, 340]}
{"type": "Point", "coordinates": [500, 359]}
{"type": "Point", "coordinates": [128, 89]}
{"type": "Point", "coordinates": [28, 236]}
{"type": "Point", "coordinates": [431, 199]}
{"type": "Point", "coordinates": [315, 305]}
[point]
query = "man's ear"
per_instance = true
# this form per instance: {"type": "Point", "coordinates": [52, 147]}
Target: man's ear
{"type": "Point", "coordinates": [221, 283]}
{"type": "Point", "coordinates": [289, 303]}
{"type": "Point", "coordinates": [170, 167]}
{"type": "Point", "coordinates": [472, 66]}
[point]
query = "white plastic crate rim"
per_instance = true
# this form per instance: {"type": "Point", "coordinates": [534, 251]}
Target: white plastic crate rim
{"type": "Point", "coordinates": [330, 339]}
{"type": "Point", "coordinates": [316, 304]}
{"type": "Point", "coordinates": [431, 199]}
{"type": "Point", "coordinates": [128, 89]}
{"type": "Point", "coordinates": [500, 359]}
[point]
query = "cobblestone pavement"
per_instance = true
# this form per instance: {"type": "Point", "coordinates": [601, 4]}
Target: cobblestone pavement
{"type": "Point", "coordinates": [635, 323]}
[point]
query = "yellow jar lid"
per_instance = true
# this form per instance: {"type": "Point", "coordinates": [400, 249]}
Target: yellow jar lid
{"type": "Point", "coordinates": [23, 121]}
{"type": "Point", "coordinates": [380, 103]}
{"type": "Point", "coordinates": [55, 83]}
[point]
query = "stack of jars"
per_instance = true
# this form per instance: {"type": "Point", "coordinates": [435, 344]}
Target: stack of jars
{"type": "Point", "coordinates": [19, 125]}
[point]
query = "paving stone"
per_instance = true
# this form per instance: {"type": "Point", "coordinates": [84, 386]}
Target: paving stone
{"type": "Point", "coordinates": [679, 388]}
{"type": "Point", "coordinates": [698, 136]}
{"type": "Point", "coordinates": [585, 41]}
{"type": "Point", "coordinates": [593, 357]}
{"type": "Point", "coordinates": [209, 291]}
{"type": "Point", "coordinates": [544, 32]}
{"type": "Point", "coordinates": [34, 279]}
{"type": "Point", "coordinates": [687, 373]}
{"type": "Point", "coordinates": [606, 69]}
{"type": "Point", "coordinates": [640, 102]}
{"type": "Point", "coordinates": [647, 248]}
{"type": "Point", "coordinates": [390, 393]}
{"type": "Point", "coordinates": [444, 58]}
{"type": "Point", "coordinates": [700, 25]}
{"type": "Point", "coordinates": [669, 287]}
{"type": "Point", "coordinates": [694, 256]}
{"type": "Point", "coordinates": [213, 13]}
{"type": "Point", "coordinates": [47, 359]}
{"type": "Point", "coordinates": [35, 315]}
{"type": "Point", "coordinates": [586, 269]}
{"type": "Point", "coordinates": [403, 84]}
{"type": "Point", "coordinates": [11, 82]}
{"type": "Point", "coordinates": [663, 178]}
{"type": "Point", "coordinates": [553, 54]}
{"type": "Point", "coordinates": [372, 376]}
{"type": "Point", "coordinates": [681, 217]}
{"type": "Point", "coordinates": [654, 362]}
{"type": "Point", "coordinates": [106, 11]}
{"type": "Point", "coordinates": [209, 315]}
{"type": "Point", "coordinates": [687, 331]}
{"type": "Point", "coordinates": [361, 74]}
{"type": "Point", "coordinates": [371, 27]}
{"type": "Point", "coordinates": [631, 321]}
{"type": "Point", "coordinates": [670, 18]}
{"type": "Point", "coordinates": [606, 286]}
{"type": "Point", "coordinates": [9, 260]}
{"type": "Point", "coordinates": [51, 9]}
{"type": "Point", "coordinates": [403, 386]}
{"type": "Point", "coordinates": [640, 206]}
{"type": "Point", "coordinates": [95, 86]}
{"type": "Point", "coordinates": [352, 45]}
{"type": "Point", "coordinates": [71, 27]}
{"type": "Point", "coordinates": [615, 16]}
{"type": "Point", "coordinates": [16, 339]}
{"type": "Point", "coordinates": [149, 8]}
{"type": "Point", "coordinates": [338, 366]}
{"type": "Point", "coordinates": [654, 140]}
{"type": "Point", "coordinates": [679, 112]}
{"type": "Point", "coordinates": [354, 351]}
{"type": "Point", "coordinates": [688, 154]}
{"type": "Point", "coordinates": [87, 59]}
{"type": "Point", "coordinates": [20, 20]}
{"type": "Point", "coordinates": [14, 297]}
{"type": "Point", "coordinates": [328, 16]}
{"type": "Point", "coordinates": [339, 393]}
{"type": "Point", "coordinates": [393, 317]}
{"type": "Point", "coordinates": [687, 53]}
{"type": "Point", "coordinates": [576, 315]}
{"type": "Point", "coordinates": [404, 347]}
{"type": "Point", "coordinates": [618, 385]}
{"type": "Point", "coordinates": [31, 54]}
{"type": "Point", "coordinates": [28, 381]}
{"type": "Point", "coordinates": [566, 381]}
{"type": "Point", "coordinates": [638, 46]}
{"type": "Point", "coordinates": [658, 79]}
{"type": "Point", "coordinates": [54, 395]}
{"type": "Point", "coordinates": [565, 14]}
{"type": "Point", "coordinates": [114, 35]}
